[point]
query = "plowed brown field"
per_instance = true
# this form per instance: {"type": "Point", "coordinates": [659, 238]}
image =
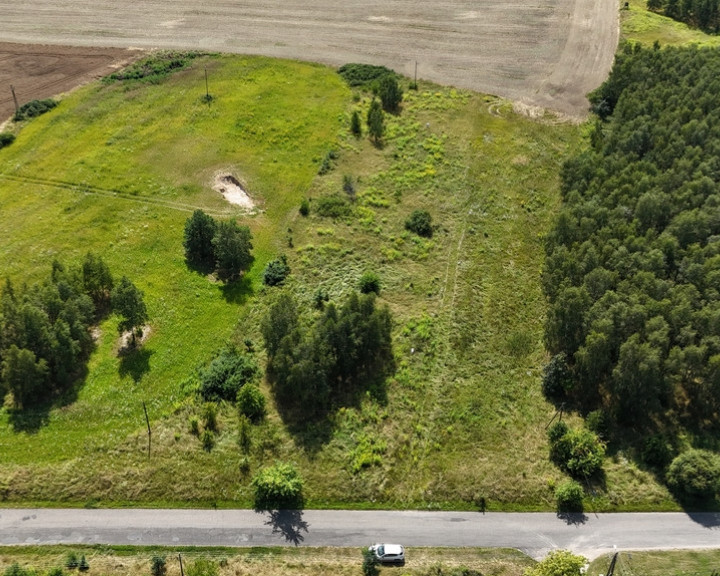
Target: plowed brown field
{"type": "Point", "coordinates": [38, 72]}
{"type": "Point", "coordinates": [546, 53]}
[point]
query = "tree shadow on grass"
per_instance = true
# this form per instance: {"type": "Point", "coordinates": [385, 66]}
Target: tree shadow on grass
{"type": "Point", "coordinates": [30, 420]}
{"type": "Point", "coordinates": [289, 524]}
{"type": "Point", "coordinates": [135, 362]}
{"type": "Point", "coordinates": [200, 268]}
{"type": "Point", "coordinates": [238, 291]}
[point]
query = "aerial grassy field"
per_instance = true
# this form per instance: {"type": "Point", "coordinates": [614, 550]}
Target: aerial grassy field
{"type": "Point", "coordinates": [117, 168]}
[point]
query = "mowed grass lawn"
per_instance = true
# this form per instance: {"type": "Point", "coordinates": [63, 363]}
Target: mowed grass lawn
{"type": "Point", "coordinates": [117, 169]}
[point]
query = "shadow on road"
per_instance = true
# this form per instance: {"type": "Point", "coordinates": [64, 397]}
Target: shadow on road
{"type": "Point", "coordinates": [573, 518]}
{"type": "Point", "coordinates": [707, 519]}
{"type": "Point", "coordinates": [289, 523]}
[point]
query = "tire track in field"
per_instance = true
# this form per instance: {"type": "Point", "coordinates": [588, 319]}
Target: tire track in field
{"type": "Point", "coordinates": [112, 193]}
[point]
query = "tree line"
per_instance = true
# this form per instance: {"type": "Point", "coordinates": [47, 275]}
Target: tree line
{"type": "Point", "coordinates": [632, 270]}
{"type": "Point", "coordinates": [702, 14]}
{"type": "Point", "coordinates": [45, 327]}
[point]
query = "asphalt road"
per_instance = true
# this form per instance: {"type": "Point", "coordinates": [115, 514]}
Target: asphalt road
{"type": "Point", "coordinates": [534, 533]}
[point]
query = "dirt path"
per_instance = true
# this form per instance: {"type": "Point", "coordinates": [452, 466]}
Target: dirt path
{"type": "Point", "coordinates": [545, 53]}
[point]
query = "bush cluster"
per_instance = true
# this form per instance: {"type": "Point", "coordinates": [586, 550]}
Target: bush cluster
{"type": "Point", "coordinates": [420, 222]}
{"type": "Point", "coordinates": [366, 75]}
{"type": "Point", "coordinates": [278, 487]}
{"type": "Point", "coordinates": [579, 452]}
{"type": "Point", "coordinates": [226, 374]}
{"type": "Point", "coordinates": [276, 271]}
{"type": "Point", "coordinates": [694, 475]}
{"type": "Point", "coordinates": [34, 108]}
{"type": "Point", "coordinates": [6, 138]}
{"type": "Point", "coordinates": [156, 67]}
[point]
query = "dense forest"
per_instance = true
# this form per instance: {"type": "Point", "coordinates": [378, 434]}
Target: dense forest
{"type": "Point", "coordinates": [632, 271]}
{"type": "Point", "coordinates": [703, 14]}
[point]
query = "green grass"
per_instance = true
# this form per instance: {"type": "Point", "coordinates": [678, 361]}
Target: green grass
{"type": "Point", "coordinates": [638, 24]}
{"type": "Point", "coordinates": [299, 561]}
{"type": "Point", "coordinates": [660, 563]}
{"type": "Point", "coordinates": [117, 168]}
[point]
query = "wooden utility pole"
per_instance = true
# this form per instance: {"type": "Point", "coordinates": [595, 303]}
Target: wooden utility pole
{"type": "Point", "coordinates": [182, 573]}
{"type": "Point", "coordinates": [12, 89]}
{"type": "Point", "coordinates": [207, 90]}
{"type": "Point", "coordinates": [416, 74]}
{"type": "Point", "coordinates": [147, 421]}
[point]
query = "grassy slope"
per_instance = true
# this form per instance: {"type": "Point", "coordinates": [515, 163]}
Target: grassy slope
{"type": "Point", "coordinates": [641, 25]}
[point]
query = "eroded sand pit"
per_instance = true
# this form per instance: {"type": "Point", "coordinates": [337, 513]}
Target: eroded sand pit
{"type": "Point", "coordinates": [232, 190]}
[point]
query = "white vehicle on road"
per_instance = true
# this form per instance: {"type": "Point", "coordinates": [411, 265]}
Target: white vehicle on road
{"type": "Point", "coordinates": [388, 553]}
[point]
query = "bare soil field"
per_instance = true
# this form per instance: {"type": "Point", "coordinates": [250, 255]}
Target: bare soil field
{"type": "Point", "coordinates": [544, 53]}
{"type": "Point", "coordinates": [38, 72]}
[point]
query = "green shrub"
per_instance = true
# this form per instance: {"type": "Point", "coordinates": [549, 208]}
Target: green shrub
{"type": "Point", "coordinates": [34, 108]}
{"type": "Point", "coordinates": [6, 138]}
{"type": "Point", "coordinates": [333, 206]}
{"type": "Point", "coordinates": [155, 67]}
{"type": "Point", "coordinates": [278, 487]}
{"type": "Point", "coordinates": [356, 124]}
{"type": "Point", "coordinates": [83, 566]}
{"type": "Point", "coordinates": [327, 163]}
{"type": "Point", "coordinates": [695, 475]}
{"type": "Point", "coordinates": [194, 424]}
{"type": "Point", "coordinates": [390, 93]}
{"type": "Point", "coordinates": [578, 452]}
{"type": "Point", "coordinates": [276, 271]}
{"type": "Point", "coordinates": [558, 563]}
{"type": "Point", "coordinates": [251, 402]}
{"type": "Point", "coordinates": [363, 74]}
{"type": "Point", "coordinates": [56, 571]}
{"type": "Point", "coordinates": [210, 412]}
{"type": "Point", "coordinates": [158, 566]}
{"type": "Point", "coordinates": [569, 496]}
{"type": "Point", "coordinates": [557, 431]}
{"type": "Point", "coordinates": [370, 563]}
{"type": "Point", "coordinates": [586, 453]}
{"type": "Point", "coordinates": [420, 222]}
{"type": "Point", "coordinates": [226, 374]}
{"type": "Point", "coordinates": [71, 560]}
{"type": "Point", "coordinates": [369, 282]}
{"type": "Point", "coordinates": [304, 207]}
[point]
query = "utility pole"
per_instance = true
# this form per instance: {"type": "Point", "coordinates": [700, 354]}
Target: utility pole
{"type": "Point", "coordinates": [207, 90]}
{"type": "Point", "coordinates": [147, 421]}
{"type": "Point", "coordinates": [17, 108]}
{"type": "Point", "coordinates": [182, 573]}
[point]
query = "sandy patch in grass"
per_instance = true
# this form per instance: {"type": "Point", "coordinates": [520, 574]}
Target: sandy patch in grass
{"type": "Point", "coordinates": [232, 190]}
